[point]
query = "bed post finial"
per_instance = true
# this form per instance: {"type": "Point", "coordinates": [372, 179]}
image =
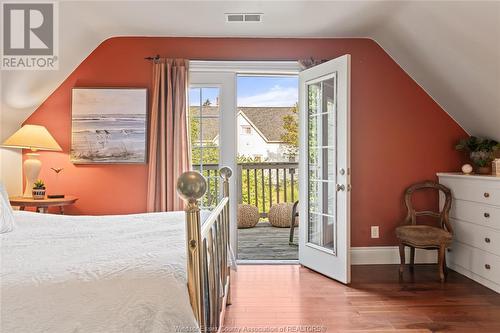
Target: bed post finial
{"type": "Point", "coordinates": [225, 173]}
{"type": "Point", "coordinates": [191, 186]}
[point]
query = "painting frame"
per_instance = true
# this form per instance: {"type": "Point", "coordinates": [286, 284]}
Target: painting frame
{"type": "Point", "coordinates": [144, 112]}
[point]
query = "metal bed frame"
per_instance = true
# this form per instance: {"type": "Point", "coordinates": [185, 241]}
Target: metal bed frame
{"type": "Point", "coordinates": [208, 251]}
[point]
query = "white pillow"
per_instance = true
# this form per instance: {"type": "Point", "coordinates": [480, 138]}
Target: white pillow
{"type": "Point", "coordinates": [6, 215]}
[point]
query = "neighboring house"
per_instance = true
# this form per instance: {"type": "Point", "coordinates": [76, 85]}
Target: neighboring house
{"type": "Point", "coordinates": [259, 131]}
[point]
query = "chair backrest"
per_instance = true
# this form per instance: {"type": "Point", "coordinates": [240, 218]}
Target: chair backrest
{"type": "Point", "coordinates": [442, 216]}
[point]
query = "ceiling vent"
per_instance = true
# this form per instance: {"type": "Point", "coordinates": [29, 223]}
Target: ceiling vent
{"type": "Point", "coordinates": [244, 18]}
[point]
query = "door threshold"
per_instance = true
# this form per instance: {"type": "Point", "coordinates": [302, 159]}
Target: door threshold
{"type": "Point", "coordinates": [267, 262]}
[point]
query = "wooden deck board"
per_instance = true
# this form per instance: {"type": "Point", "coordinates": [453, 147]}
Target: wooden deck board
{"type": "Point", "coordinates": [265, 242]}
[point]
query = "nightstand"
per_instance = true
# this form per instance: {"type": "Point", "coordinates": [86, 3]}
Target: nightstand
{"type": "Point", "coordinates": [43, 204]}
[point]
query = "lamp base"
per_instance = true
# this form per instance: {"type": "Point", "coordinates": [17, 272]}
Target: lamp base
{"type": "Point", "coordinates": [32, 167]}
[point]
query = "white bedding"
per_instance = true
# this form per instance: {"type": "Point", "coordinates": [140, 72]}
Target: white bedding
{"type": "Point", "coordinates": [83, 274]}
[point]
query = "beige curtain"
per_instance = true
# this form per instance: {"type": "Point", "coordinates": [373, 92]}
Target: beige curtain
{"type": "Point", "coordinates": [169, 151]}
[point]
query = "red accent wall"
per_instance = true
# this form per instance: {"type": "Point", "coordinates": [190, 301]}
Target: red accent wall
{"type": "Point", "coordinates": [399, 134]}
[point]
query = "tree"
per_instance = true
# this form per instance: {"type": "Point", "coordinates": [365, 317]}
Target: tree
{"type": "Point", "coordinates": [207, 102]}
{"type": "Point", "coordinates": [290, 137]}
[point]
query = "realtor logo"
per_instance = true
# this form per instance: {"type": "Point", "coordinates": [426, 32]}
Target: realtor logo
{"type": "Point", "coordinates": [29, 36]}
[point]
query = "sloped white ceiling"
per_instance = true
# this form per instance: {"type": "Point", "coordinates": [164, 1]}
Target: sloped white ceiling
{"type": "Point", "coordinates": [452, 49]}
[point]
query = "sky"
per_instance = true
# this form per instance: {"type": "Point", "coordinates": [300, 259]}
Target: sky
{"type": "Point", "coordinates": [256, 91]}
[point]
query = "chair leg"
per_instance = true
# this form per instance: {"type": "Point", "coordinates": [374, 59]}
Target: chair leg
{"type": "Point", "coordinates": [292, 223]}
{"type": "Point", "coordinates": [441, 262]}
{"type": "Point", "coordinates": [445, 267]}
{"type": "Point", "coordinates": [412, 258]}
{"type": "Point", "coordinates": [292, 226]}
{"type": "Point", "coordinates": [402, 257]}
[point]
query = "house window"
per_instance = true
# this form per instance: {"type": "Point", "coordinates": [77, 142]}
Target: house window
{"type": "Point", "coordinates": [246, 129]}
{"type": "Point", "coordinates": [204, 132]}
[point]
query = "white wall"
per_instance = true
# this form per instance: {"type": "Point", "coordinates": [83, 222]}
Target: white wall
{"type": "Point", "coordinates": [10, 159]}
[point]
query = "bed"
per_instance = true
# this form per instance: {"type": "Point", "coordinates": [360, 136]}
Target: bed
{"type": "Point", "coordinates": [155, 272]}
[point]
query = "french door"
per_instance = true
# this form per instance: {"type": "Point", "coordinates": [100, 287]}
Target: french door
{"type": "Point", "coordinates": [324, 101]}
{"type": "Point", "coordinates": [217, 117]}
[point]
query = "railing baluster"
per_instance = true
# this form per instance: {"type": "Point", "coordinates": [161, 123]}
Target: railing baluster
{"type": "Point", "coordinates": [255, 188]}
{"type": "Point", "coordinates": [263, 192]}
{"type": "Point", "coordinates": [277, 185]}
{"type": "Point", "coordinates": [208, 198]}
{"type": "Point", "coordinates": [292, 172]}
{"type": "Point", "coordinates": [248, 186]}
{"type": "Point", "coordinates": [284, 182]}
{"type": "Point", "coordinates": [270, 189]}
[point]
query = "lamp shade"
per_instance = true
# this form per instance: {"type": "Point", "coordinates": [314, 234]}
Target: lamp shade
{"type": "Point", "coordinates": [34, 137]}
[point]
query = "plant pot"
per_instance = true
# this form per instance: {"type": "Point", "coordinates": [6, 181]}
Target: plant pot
{"type": "Point", "coordinates": [484, 170]}
{"type": "Point", "coordinates": [38, 193]}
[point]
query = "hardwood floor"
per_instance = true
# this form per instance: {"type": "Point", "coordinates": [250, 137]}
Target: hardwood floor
{"type": "Point", "coordinates": [291, 298]}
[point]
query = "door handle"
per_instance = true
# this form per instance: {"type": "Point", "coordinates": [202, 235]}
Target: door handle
{"type": "Point", "coordinates": [340, 187]}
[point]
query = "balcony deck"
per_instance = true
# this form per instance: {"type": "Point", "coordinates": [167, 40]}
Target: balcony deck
{"type": "Point", "coordinates": [262, 185]}
{"type": "Point", "coordinates": [265, 242]}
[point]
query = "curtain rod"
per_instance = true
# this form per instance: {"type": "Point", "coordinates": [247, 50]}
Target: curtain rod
{"type": "Point", "coordinates": [157, 57]}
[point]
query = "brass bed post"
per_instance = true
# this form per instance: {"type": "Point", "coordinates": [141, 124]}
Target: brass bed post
{"type": "Point", "coordinates": [191, 186]}
{"type": "Point", "coordinates": [226, 173]}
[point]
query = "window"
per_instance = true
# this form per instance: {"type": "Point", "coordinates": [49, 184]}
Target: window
{"type": "Point", "coordinates": [246, 129]}
{"type": "Point", "coordinates": [204, 132]}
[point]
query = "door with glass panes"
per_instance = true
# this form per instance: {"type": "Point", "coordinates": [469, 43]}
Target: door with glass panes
{"type": "Point", "coordinates": [324, 102]}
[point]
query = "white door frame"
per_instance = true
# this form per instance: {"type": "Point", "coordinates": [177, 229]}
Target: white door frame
{"type": "Point", "coordinates": [223, 74]}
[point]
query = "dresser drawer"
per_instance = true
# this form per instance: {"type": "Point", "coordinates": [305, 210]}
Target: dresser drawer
{"type": "Point", "coordinates": [471, 234]}
{"type": "Point", "coordinates": [479, 262]}
{"type": "Point", "coordinates": [477, 213]}
{"type": "Point", "coordinates": [476, 190]}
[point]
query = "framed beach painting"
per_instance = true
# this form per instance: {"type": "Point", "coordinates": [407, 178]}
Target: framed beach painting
{"type": "Point", "coordinates": [109, 125]}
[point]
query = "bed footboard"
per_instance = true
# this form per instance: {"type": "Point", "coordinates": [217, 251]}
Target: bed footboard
{"type": "Point", "coordinates": [208, 254]}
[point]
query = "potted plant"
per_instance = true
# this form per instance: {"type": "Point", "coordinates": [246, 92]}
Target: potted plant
{"type": "Point", "coordinates": [39, 190]}
{"type": "Point", "coordinates": [481, 150]}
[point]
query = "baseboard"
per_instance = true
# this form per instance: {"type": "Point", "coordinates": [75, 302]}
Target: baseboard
{"type": "Point", "coordinates": [378, 255]}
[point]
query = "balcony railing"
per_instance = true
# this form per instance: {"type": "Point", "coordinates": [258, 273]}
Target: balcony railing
{"type": "Point", "coordinates": [259, 184]}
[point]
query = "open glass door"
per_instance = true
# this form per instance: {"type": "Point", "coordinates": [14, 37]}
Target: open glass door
{"type": "Point", "coordinates": [324, 101]}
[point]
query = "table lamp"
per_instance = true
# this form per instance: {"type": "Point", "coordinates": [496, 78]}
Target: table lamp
{"type": "Point", "coordinates": [34, 137]}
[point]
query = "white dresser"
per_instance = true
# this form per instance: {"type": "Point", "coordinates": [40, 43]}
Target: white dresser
{"type": "Point", "coordinates": [475, 218]}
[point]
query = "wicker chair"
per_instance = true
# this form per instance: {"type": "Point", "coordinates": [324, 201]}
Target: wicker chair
{"type": "Point", "coordinates": [425, 236]}
{"type": "Point", "coordinates": [248, 216]}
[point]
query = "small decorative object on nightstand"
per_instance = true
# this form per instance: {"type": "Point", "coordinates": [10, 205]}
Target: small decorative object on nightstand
{"type": "Point", "coordinates": [39, 190]}
{"type": "Point", "coordinates": [55, 195]}
{"type": "Point", "coordinates": [467, 169]}
{"type": "Point", "coordinates": [42, 205]}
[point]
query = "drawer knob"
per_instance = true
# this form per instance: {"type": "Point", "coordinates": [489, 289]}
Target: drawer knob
{"type": "Point", "coordinates": [487, 215]}
{"type": "Point", "coordinates": [486, 195]}
{"type": "Point", "coordinates": [487, 266]}
{"type": "Point", "coordinates": [487, 240]}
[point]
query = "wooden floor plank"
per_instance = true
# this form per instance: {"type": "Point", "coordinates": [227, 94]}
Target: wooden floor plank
{"type": "Point", "coordinates": [291, 298]}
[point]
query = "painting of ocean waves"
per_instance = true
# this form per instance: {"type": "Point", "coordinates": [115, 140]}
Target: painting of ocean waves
{"type": "Point", "coordinates": [108, 126]}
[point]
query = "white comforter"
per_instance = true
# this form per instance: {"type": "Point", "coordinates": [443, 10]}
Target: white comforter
{"type": "Point", "coordinates": [95, 274]}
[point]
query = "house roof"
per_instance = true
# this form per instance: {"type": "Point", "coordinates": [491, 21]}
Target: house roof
{"type": "Point", "coordinates": [268, 121]}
